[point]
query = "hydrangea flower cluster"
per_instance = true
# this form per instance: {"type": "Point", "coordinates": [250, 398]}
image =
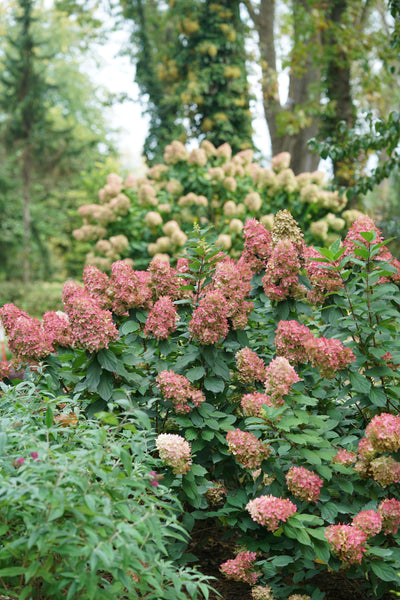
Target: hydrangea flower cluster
{"type": "Point", "coordinates": [304, 484]}
{"type": "Point", "coordinates": [179, 390]}
{"type": "Point", "coordinates": [384, 432]}
{"type": "Point", "coordinates": [97, 285]}
{"type": "Point", "coordinates": [257, 245]}
{"type": "Point", "coordinates": [362, 225]}
{"type": "Point", "coordinates": [242, 568]}
{"type": "Point", "coordinates": [162, 319]}
{"type": "Point", "coordinates": [345, 457]}
{"type": "Point", "coordinates": [250, 366]}
{"type": "Point", "coordinates": [290, 341]}
{"type": "Point", "coordinates": [279, 377]}
{"type": "Point", "coordinates": [92, 327]}
{"type": "Point", "coordinates": [209, 322]}
{"type": "Point", "coordinates": [163, 280]}
{"type": "Point", "coordinates": [369, 521]}
{"type": "Point", "coordinates": [269, 510]}
{"type": "Point", "coordinates": [328, 355]}
{"type": "Point", "coordinates": [324, 280]}
{"type": "Point", "coordinates": [298, 345]}
{"type": "Point", "coordinates": [174, 451]}
{"type": "Point", "coordinates": [281, 274]}
{"type": "Point", "coordinates": [385, 470]}
{"type": "Point", "coordinates": [252, 404]}
{"type": "Point", "coordinates": [366, 450]}
{"type": "Point", "coordinates": [234, 281]}
{"type": "Point", "coordinates": [390, 511]}
{"type": "Point", "coordinates": [259, 592]}
{"type": "Point", "coordinates": [347, 542]}
{"type": "Point", "coordinates": [129, 288]}
{"type": "Point", "coordinates": [248, 450]}
{"type": "Point", "coordinates": [27, 339]}
{"type": "Point", "coordinates": [56, 326]}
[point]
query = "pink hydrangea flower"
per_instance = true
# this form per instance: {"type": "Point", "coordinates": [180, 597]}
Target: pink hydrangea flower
{"type": "Point", "coordinates": [347, 542]}
{"type": "Point", "coordinates": [92, 328]}
{"type": "Point", "coordinates": [368, 521]}
{"type": "Point", "coordinates": [179, 390]}
{"type": "Point", "coordinates": [234, 281]}
{"type": "Point", "coordinates": [290, 339]}
{"type": "Point", "coordinates": [252, 404]}
{"type": "Point", "coordinates": [209, 323]}
{"type": "Point", "coordinates": [242, 568]}
{"type": "Point", "coordinates": [384, 432]}
{"type": "Point", "coordinates": [269, 510]}
{"type": "Point", "coordinates": [361, 225]}
{"type": "Point", "coordinates": [20, 460]}
{"type": "Point", "coordinates": [250, 366]}
{"type": "Point", "coordinates": [257, 245]}
{"type": "Point", "coordinates": [281, 274]}
{"type": "Point", "coordinates": [304, 484]}
{"type": "Point", "coordinates": [174, 451]}
{"type": "Point", "coordinates": [247, 449]}
{"type": "Point", "coordinates": [9, 313]}
{"type": "Point", "coordinates": [345, 457]}
{"type": "Point", "coordinates": [366, 450]}
{"type": "Point", "coordinates": [162, 319]}
{"type": "Point", "coordinates": [324, 281]}
{"type": "Point", "coordinates": [385, 470]}
{"type": "Point", "coordinates": [34, 455]}
{"type": "Point", "coordinates": [27, 340]}
{"type": "Point", "coordinates": [163, 280]}
{"type": "Point", "coordinates": [328, 355]}
{"type": "Point", "coordinates": [259, 592]}
{"type": "Point", "coordinates": [390, 511]}
{"type": "Point", "coordinates": [128, 288]}
{"type": "Point", "coordinates": [57, 327]}
{"type": "Point", "coordinates": [97, 285]}
{"type": "Point", "coordinates": [279, 377]}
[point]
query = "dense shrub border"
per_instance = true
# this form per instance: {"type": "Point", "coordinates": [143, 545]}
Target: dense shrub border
{"type": "Point", "coordinates": [270, 383]}
{"type": "Point", "coordinates": [137, 218]}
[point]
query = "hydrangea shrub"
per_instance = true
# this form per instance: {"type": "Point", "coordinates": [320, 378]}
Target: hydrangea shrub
{"type": "Point", "coordinates": [137, 218]}
{"type": "Point", "coordinates": [274, 406]}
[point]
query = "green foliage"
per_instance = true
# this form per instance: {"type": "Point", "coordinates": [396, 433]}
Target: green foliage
{"type": "Point", "coordinates": [80, 518]}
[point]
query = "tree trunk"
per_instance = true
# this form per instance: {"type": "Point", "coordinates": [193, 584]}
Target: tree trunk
{"type": "Point", "coordinates": [26, 250]}
{"type": "Point", "coordinates": [338, 89]}
{"type": "Point", "coordinates": [292, 125]}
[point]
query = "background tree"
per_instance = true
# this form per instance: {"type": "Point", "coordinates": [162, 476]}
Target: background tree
{"type": "Point", "coordinates": [51, 124]}
{"type": "Point", "coordinates": [191, 65]}
{"type": "Point", "coordinates": [335, 54]}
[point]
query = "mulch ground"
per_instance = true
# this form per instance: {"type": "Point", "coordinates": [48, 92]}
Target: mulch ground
{"type": "Point", "coordinates": [211, 549]}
